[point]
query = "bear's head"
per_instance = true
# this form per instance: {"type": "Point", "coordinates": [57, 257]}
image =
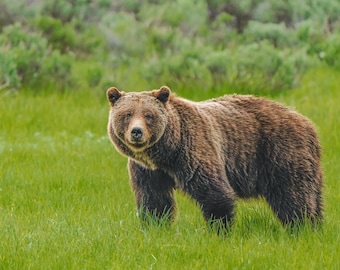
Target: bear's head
{"type": "Point", "coordinates": [138, 120]}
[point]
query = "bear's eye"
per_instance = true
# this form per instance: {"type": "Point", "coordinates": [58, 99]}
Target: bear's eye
{"type": "Point", "coordinates": [148, 117]}
{"type": "Point", "coordinates": [128, 115]}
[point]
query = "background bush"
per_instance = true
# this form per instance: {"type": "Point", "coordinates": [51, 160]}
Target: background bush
{"type": "Point", "coordinates": [28, 60]}
{"type": "Point", "coordinates": [247, 46]}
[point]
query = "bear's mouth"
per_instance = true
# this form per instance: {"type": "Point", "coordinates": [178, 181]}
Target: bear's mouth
{"type": "Point", "coordinates": [137, 144]}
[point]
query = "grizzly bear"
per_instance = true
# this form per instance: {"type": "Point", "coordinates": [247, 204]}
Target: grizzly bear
{"type": "Point", "coordinates": [219, 150]}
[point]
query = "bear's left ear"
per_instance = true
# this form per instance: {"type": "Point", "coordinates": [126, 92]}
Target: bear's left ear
{"type": "Point", "coordinates": [162, 94]}
{"type": "Point", "coordinates": [113, 95]}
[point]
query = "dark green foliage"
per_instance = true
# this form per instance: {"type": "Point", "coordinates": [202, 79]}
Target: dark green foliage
{"type": "Point", "coordinates": [28, 60]}
{"type": "Point", "coordinates": [5, 16]}
{"type": "Point", "coordinates": [94, 76]}
{"type": "Point", "coordinates": [8, 72]}
{"type": "Point", "coordinates": [247, 46]}
{"type": "Point", "coordinates": [257, 68]}
{"type": "Point", "coordinates": [59, 35]}
{"type": "Point", "coordinates": [67, 10]}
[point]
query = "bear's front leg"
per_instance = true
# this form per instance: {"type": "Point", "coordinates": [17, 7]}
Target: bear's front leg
{"type": "Point", "coordinates": [215, 197]}
{"type": "Point", "coordinates": [154, 192]}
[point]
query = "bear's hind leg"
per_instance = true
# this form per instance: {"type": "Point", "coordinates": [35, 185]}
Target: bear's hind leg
{"type": "Point", "coordinates": [294, 208]}
{"type": "Point", "coordinates": [284, 208]}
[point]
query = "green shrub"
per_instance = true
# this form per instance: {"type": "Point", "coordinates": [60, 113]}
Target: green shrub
{"type": "Point", "coordinates": [6, 17]}
{"type": "Point", "coordinates": [76, 36]}
{"type": "Point", "coordinates": [60, 36]}
{"type": "Point", "coordinates": [248, 45]}
{"type": "Point", "coordinates": [125, 36]}
{"type": "Point", "coordinates": [89, 41]}
{"type": "Point", "coordinates": [27, 58]}
{"type": "Point", "coordinates": [256, 68]}
{"type": "Point", "coordinates": [67, 10]}
{"type": "Point", "coordinates": [330, 52]}
{"type": "Point", "coordinates": [320, 44]}
{"type": "Point", "coordinates": [8, 71]}
{"type": "Point", "coordinates": [183, 70]}
{"type": "Point", "coordinates": [94, 76]}
{"type": "Point", "coordinates": [277, 34]}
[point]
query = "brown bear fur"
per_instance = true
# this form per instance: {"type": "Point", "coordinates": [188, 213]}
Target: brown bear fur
{"type": "Point", "coordinates": [217, 151]}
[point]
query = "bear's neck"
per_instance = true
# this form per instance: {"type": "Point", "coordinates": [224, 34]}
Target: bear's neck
{"type": "Point", "coordinates": [166, 150]}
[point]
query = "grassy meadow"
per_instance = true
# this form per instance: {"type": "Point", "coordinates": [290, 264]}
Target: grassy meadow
{"type": "Point", "coordinates": [66, 203]}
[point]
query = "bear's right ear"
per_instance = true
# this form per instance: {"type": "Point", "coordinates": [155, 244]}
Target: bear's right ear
{"type": "Point", "coordinates": [113, 95]}
{"type": "Point", "coordinates": [162, 94]}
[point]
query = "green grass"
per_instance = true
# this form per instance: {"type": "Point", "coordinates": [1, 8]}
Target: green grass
{"type": "Point", "coordinates": [66, 203]}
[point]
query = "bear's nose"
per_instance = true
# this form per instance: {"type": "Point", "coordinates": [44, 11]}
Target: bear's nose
{"type": "Point", "coordinates": [136, 133]}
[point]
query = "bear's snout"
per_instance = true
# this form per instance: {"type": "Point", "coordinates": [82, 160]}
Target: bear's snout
{"type": "Point", "coordinates": [137, 133]}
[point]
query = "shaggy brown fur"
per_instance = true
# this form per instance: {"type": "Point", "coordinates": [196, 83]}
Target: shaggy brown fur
{"type": "Point", "coordinates": [217, 151]}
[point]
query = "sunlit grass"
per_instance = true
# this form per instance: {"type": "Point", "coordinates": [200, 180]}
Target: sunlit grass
{"type": "Point", "coordinates": [65, 200]}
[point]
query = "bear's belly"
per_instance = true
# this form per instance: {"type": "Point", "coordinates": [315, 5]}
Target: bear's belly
{"type": "Point", "coordinates": [243, 186]}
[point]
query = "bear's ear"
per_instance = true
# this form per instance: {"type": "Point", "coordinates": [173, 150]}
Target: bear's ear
{"type": "Point", "coordinates": [162, 94]}
{"type": "Point", "coordinates": [113, 95]}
